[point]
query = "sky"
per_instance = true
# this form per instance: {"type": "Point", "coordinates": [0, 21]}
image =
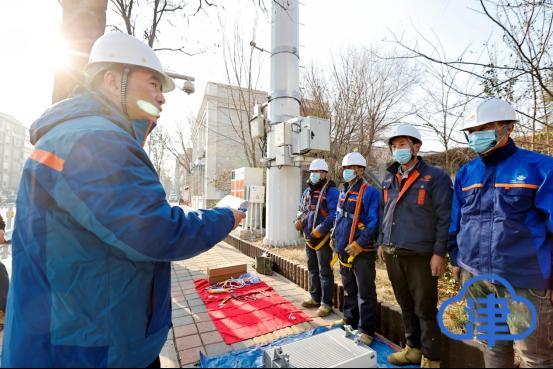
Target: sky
{"type": "Point", "coordinates": [30, 41]}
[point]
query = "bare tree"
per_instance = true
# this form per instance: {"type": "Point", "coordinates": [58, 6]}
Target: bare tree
{"type": "Point", "coordinates": [243, 70]}
{"type": "Point", "coordinates": [83, 22]}
{"type": "Point", "coordinates": [180, 147]}
{"type": "Point", "coordinates": [157, 148]}
{"type": "Point", "coordinates": [441, 109]}
{"type": "Point", "coordinates": [162, 12]}
{"type": "Point", "coordinates": [526, 34]}
{"type": "Point", "coordinates": [365, 95]}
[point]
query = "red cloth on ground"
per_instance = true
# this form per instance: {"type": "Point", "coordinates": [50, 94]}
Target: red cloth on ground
{"type": "Point", "coordinates": [239, 320]}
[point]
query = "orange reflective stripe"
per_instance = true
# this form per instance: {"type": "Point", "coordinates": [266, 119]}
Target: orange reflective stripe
{"type": "Point", "coordinates": [47, 158]}
{"type": "Point", "coordinates": [386, 195]}
{"type": "Point", "coordinates": [412, 179]}
{"type": "Point", "coordinates": [422, 196]}
{"type": "Point", "coordinates": [508, 186]}
{"type": "Point", "coordinates": [323, 212]}
{"type": "Point", "coordinates": [473, 187]}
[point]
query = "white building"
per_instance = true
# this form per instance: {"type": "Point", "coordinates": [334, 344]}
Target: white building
{"type": "Point", "coordinates": [217, 145]}
{"type": "Point", "coordinates": [14, 149]}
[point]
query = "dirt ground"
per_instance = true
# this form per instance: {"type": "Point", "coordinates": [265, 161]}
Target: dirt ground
{"type": "Point", "coordinates": [455, 317]}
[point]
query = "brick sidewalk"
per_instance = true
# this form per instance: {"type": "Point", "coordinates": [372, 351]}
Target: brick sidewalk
{"type": "Point", "coordinates": [193, 330]}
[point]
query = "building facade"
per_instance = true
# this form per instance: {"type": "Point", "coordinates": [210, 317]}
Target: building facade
{"type": "Point", "coordinates": [14, 148]}
{"type": "Point", "coordinates": [218, 140]}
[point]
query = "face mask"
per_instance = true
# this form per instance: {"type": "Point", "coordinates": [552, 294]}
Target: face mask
{"type": "Point", "coordinates": [349, 175]}
{"type": "Point", "coordinates": [403, 156]}
{"type": "Point", "coordinates": [315, 178]}
{"type": "Point", "coordinates": [482, 141]}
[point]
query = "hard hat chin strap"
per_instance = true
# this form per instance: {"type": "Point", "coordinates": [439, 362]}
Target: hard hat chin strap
{"type": "Point", "coordinates": [124, 84]}
{"type": "Point", "coordinates": [498, 138]}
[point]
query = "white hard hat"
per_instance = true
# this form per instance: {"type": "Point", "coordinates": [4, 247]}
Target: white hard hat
{"type": "Point", "coordinates": [318, 164]}
{"type": "Point", "coordinates": [121, 48]}
{"type": "Point", "coordinates": [354, 159]}
{"type": "Point", "coordinates": [488, 111]}
{"type": "Point", "coordinates": [405, 130]}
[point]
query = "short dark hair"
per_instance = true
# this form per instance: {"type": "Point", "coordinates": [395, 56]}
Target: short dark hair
{"type": "Point", "coordinates": [2, 224]}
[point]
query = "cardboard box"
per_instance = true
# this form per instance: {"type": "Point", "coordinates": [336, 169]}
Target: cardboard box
{"type": "Point", "coordinates": [221, 274]}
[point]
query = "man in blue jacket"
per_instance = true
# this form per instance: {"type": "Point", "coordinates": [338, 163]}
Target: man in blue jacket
{"type": "Point", "coordinates": [502, 224]}
{"type": "Point", "coordinates": [413, 239]}
{"type": "Point", "coordinates": [316, 219]}
{"type": "Point", "coordinates": [94, 234]}
{"type": "Point", "coordinates": [354, 240]}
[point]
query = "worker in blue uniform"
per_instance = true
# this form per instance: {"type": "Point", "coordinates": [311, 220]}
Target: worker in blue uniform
{"type": "Point", "coordinates": [315, 221]}
{"type": "Point", "coordinates": [413, 242]}
{"type": "Point", "coordinates": [502, 224]}
{"type": "Point", "coordinates": [354, 237]}
{"type": "Point", "coordinates": [94, 234]}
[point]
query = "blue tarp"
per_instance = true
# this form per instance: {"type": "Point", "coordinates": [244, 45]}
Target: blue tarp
{"type": "Point", "coordinates": [253, 357]}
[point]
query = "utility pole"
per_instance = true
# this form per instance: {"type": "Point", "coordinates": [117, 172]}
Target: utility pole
{"type": "Point", "coordinates": [283, 178]}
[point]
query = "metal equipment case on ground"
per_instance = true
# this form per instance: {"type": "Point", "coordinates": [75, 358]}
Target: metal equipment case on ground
{"type": "Point", "coordinates": [332, 349]}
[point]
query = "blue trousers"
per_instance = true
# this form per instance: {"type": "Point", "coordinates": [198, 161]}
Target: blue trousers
{"type": "Point", "coordinates": [320, 274]}
{"type": "Point", "coordinates": [360, 301]}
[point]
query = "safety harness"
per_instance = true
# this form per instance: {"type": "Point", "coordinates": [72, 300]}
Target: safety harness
{"type": "Point", "coordinates": [324, 213]}
{"type": "Point", "coordinates": [356, 224]}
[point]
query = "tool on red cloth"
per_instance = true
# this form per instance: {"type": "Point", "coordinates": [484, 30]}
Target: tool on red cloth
{"type": "Point", "coordinates": [224, 301]}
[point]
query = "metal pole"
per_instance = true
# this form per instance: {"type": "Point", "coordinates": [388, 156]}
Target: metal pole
{"type": "Point", "coordinates": [283, 183]}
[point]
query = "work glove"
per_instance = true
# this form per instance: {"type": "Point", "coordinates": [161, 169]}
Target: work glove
{"type": "Point", "coordinates": [354, 249]}
{"type": "Point", "coordinates": [299, 225]}
{"type": "Point", "coordinates": [316, 233]}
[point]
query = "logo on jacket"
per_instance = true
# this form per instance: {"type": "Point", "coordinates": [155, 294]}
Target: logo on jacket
{"type": "Point", "coordinates": [520, 179]}
{"type": "Point", "coordinates": [489, 316]}
{"type": "Point", "coordinates": [427, 178]}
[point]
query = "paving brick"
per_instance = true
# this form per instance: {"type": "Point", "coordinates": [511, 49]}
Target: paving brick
{"type": "Point", "coordinates": [195, 303]}
{"type": "Point", "coordinates": [190, 356]}
{"type": "Point", "coordinates": [217, 349]}
{"type": "Point", "coordinates": [184, 320]}
{"type": "Point", "coordinates": [201, 317]}
{"type": "Point", "coordinates": [185, 330]}
{"type": "Point", "coordinates": [211, 338]}
{"type": "Point", "coordinates": [198, 309]}
{"type": "Point", "coordinates": [178, 313]}
{"type": "Point", "coordinates": [243, 345]}
{"type": "Point", "coordinates": [205, 327]}
{"type": "Point", "coordinates": [188, 342]}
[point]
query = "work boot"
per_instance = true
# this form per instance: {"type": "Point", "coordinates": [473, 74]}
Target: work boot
{"type": "Point", "coordinates": [324, 311]}
{"type": "Point", "coordinates": [339, 323]}
{"type": "Point", "coordinates": [365, 339]}
{"type": "Point", "coordinates": [407, 356]}
{"type": "Point", "coordinates": [427, 363]}
{"type": "Point", "coordinates": [310, 304]}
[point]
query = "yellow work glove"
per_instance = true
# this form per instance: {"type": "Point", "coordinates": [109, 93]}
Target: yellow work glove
{"type": "Point", "coordinates": [354, 249]}
{"type": "Point", "coordinates": [316, 233]}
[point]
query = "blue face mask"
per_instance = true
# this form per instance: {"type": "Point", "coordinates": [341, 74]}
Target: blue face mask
{"type": "Point", "coordinates": [403, 156]}
{"type": "Point", "coordinates": [349, 175]}
{"type": "Point", "coordinates": [314, 178]}
{"type": "Point", "coordinates": [482, 141]}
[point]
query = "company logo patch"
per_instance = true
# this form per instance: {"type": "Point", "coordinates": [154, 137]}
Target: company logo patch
{"type": "Point", "coordinates": [520, 179]}
{"type": "Point", "coordinates": [427, 178]}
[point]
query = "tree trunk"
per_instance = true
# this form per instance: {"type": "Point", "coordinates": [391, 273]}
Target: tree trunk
{"type": "Point", "coordinates": [83, 22]}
